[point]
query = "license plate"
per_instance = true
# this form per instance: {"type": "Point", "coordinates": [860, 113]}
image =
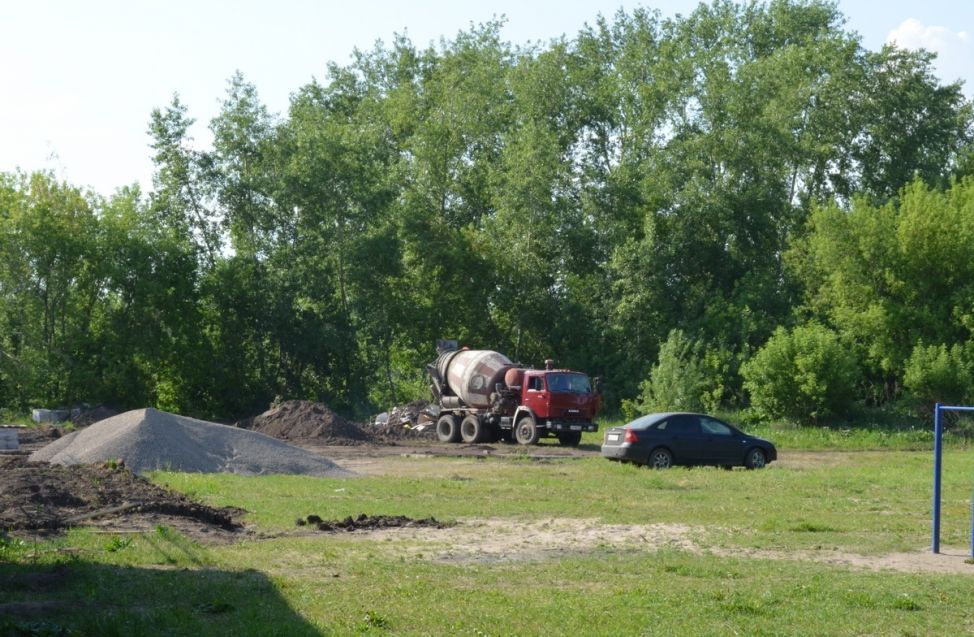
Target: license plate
{"type": "Point", "coordinates": [576, 427]}
{"type": "Point", "coordinates": [613, 437]}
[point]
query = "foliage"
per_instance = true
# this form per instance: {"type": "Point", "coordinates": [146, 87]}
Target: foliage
{"type": "Point", "coordinates": [939, 374]}
{"type": "Point", "coordinates": [680, 381]}
{"type": "Point", "coordinates": [721, 173]}
{"type": "Point", "coordinates": [891, 277]}
{"type": "Point", "coordinates": [805, 374]}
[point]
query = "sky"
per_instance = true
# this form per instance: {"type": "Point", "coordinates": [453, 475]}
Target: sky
{"type": "Point", "coordinates": [78, 80]}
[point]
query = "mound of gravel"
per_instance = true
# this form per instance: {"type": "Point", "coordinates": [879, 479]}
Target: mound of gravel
{"type": "Point", "coordinates": [306, 421]}
{"type": "Point", "coordinates": [148, 439]}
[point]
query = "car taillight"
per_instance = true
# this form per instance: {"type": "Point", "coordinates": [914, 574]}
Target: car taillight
{"type": "Point", "coordinates": [630, 436]}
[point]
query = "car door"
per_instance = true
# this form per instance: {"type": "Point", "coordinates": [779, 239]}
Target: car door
{"type": "Point", "coordinates": [720, 445]}
{"type": "Point", "coordinates": [682, 433]}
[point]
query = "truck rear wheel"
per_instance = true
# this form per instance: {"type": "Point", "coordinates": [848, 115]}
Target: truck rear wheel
{"type": "Point", "coordinates": [473, 430]}
{"type": "Point", "coordinates": [448, 429]}
{"type": "Point", "coordinates": [526, 431]}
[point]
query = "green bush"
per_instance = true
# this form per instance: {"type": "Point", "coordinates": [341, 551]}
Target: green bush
{"type": "Point", "coordinates": [685, 378]}
{"type": "Point", "coordinates": [805, 375]}
{"type": "Point", "coordinates": [936, 374]}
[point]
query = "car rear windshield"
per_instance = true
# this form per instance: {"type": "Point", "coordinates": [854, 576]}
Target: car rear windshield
{"type": "Point", "coordinates": [574, 383]}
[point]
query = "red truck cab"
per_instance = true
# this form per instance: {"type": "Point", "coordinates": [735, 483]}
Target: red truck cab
{"type": "Point", "coordinates": [557, 402]}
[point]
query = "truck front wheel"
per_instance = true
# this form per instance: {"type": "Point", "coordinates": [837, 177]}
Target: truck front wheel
{"type": "Point", "coordinates": [448, 429]}
{"type": "Point", "coordinates": [526, 431]}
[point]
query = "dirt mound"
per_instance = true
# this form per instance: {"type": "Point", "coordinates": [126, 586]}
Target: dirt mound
{"type": "Point", "coordinates": [364, 522]}
{"type": "Point", "coordinates": [42, 498]}
{"type": "Point", "coordinates": [306, 421]}
{"type": "Point", "coordinates": [88, 417]}
{"type": "Point", "coordinates": [405, 422]}
{"type": "Point", "coordinates": [149, 440]}
{"type": "Point", "coordinates": [32, 438]}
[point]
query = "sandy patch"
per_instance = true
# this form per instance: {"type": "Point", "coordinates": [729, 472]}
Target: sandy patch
{"type": "Point", "coordinates": [502, 540]}
{"type": "Point", "coordinates": [494, 540]}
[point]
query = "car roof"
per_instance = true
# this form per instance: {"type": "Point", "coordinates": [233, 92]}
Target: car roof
{"type": "Point", "coordinates": [666, 414]}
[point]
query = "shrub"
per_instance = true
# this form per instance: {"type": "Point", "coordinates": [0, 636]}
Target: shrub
{"type": "Point", "coordinates": [936, 374]}
{"type": "Point", "coordinates": [805, 375]}
{"type": "Point", "coordinates": [681, 380]}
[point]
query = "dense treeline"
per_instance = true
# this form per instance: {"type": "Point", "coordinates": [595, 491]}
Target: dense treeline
{"type": "Point", "coordinates": [696, 209]}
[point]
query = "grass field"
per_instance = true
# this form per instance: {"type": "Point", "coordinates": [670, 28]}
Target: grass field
{"type": "Point", "coordinates": [797, 549]}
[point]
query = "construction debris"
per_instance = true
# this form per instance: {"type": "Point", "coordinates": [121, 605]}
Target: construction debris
{"type": "Point", "coordinates": [409, 421]}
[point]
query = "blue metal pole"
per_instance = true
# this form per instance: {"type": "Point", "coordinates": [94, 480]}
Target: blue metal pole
{"type": "Point", "coordinates": [937, 435]}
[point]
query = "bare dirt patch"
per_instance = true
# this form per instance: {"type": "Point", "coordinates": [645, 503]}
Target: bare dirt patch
{"type": "Point", "coordinates": [919, 561]}
{"type": "Point", "coordinates": [502, 540]}
{"type": "Point", "coordinates": [44, 499]}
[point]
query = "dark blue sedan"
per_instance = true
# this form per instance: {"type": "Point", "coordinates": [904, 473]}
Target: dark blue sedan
{"type": "Point", "coordinates": [663, 440]}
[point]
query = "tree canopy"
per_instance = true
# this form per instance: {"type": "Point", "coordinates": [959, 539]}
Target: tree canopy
{"type": "Point", "coordinates": [733, 174]}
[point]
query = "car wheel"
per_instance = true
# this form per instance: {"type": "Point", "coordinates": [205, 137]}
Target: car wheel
{"type": "Point", "coordinates": [526, 431]}
{"type": "Point", "coordinates": [447, 429]}
{"type": "Point", "coordinates": [755, 459]}
{"type": "Point", "coordinates": [661, 459]}
{"type": "Point", "coordinates": [472, 430]}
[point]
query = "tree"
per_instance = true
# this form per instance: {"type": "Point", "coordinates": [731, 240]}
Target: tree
{"type": "Point", "coordinates": [889, 277]}
{"type": "Point", "coordinates": [184, 188]}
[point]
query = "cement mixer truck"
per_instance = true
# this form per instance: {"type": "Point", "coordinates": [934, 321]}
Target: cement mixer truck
{"type": "Point", "coordinates": [481, 396]}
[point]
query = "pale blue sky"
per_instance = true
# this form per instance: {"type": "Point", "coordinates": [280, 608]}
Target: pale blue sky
{"type": "Point", "coordinates": [79, 79]}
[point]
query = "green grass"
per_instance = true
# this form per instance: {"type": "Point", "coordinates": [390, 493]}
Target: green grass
{"type": "Point", "coordinates": [861, 501]}
{"type": "Point", "coordinates": [866, 503]}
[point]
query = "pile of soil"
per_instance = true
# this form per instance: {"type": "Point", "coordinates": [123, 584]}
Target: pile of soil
{"type": "Point", "coordinates": [306, 421]}
{"type": "Point", "coordinates": [31, 438]}
{"type": "Point", "coordinates": [364, 522]}
{"type": "Point", "coordinates": [149, 440]}
{"type": "Point", "coordinates": [40, 498]}
{"type": "Point", "coordinates": [88, 417]}
{"type": "Point", "coordinates": [406, 422]}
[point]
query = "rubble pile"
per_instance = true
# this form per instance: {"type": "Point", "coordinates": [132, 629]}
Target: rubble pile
{"type": "Point", "coordinates": [406, 422]}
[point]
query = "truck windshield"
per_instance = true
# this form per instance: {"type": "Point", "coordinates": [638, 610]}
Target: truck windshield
{"type": "Point", "coordinates": [574, 383]}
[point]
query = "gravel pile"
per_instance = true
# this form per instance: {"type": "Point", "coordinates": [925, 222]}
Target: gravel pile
{"type": "Point", "coordinates": [148, 439]}
{"type": "Point", "coordinates": [306, 421]}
